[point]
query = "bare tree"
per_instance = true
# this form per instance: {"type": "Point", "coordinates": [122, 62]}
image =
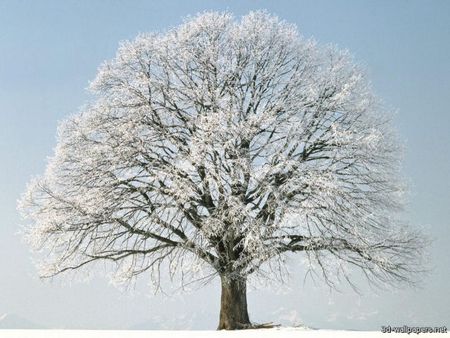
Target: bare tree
{"type": "Point", "coordinates": [217, 149]}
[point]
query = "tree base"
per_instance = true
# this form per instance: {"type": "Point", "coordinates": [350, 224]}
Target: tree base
{"type": "Point", "coordinates": [264, 326]}
{"type": "Point", "coordinates": [251, 326]}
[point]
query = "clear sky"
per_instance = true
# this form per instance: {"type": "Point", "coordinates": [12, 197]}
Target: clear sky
{"type": "Point", "coordinates": [49, 50]}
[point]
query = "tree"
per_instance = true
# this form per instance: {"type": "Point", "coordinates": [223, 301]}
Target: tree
{"type": "Point", "coordinates": [218, 149]}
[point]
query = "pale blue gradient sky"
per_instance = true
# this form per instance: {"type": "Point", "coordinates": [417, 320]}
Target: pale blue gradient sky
{"type": "Point", "coordinates": [49, 50]}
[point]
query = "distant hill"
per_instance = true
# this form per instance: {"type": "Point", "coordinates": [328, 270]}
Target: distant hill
{"type": "Point", "coordinates": [192, 321]}
{"type": "Point", "coordinates": [13, 321]}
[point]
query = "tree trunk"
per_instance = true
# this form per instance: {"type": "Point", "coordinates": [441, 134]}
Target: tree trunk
{"type": "Point", "coordinates": [233, 305]}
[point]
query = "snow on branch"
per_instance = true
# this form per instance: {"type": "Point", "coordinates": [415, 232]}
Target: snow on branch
{"type": "Point", "coordinates": [225, 145]}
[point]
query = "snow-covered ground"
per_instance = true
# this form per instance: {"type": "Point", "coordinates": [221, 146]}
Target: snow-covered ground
{"type": "Point", "coordinates": [261, 333]}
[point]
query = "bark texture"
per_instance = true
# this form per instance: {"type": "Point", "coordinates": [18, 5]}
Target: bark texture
{"type": "Point", "coordinates": [233, 305]}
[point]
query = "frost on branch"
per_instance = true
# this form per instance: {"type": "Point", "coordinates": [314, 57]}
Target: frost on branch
{"type": "Point", "coordinates": [218, 148]}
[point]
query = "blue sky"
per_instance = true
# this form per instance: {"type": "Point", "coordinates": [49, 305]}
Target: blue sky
{"type": "Point", "coordinates": [49, 50]}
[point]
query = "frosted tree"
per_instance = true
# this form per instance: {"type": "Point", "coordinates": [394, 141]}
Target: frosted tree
{"type": "Point", "coordinates": [219, 148]}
